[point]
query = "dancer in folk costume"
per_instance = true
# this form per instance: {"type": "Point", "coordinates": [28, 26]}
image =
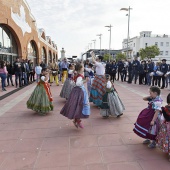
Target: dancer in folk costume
{"type": "Point", "coordinates": [90, 77]}
{"type": "Point", "coordinates": [98, 86]}
{"type": "Point", "coordinates": [77, 106]}
{"type": "Point", "coordinates": [41, 98]}
{"type": "Point", "coordinates": [163, 137]}
{"type": "Point", "coordinates": [149, 120]}
{"type": "Point", "coordinates": [68, 84]}
{"type": "Point", "coordinates": [111, 103]}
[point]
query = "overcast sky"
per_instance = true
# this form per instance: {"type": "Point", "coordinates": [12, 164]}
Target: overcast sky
{"type": "Point", "coordinates": [73, 24]}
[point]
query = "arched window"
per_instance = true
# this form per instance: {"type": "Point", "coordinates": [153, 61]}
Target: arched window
{"type": "Point", "coordinates": [43, 55]}
{"type": "Point", "coordinates": [54, 57]}
{"type": "Point", "coordinates": [32, 53]}
{"type": "Point", "coordinates": [50, 57]}
{"type": "Point", "coordinates": [8, 45]}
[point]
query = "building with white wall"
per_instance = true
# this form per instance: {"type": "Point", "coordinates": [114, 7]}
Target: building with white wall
{"type": "Point", "coordinates": [147, 39]}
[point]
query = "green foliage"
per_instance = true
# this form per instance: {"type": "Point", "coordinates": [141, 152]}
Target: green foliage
{"type": "Point", "coordinates": [106, 57]}
{"type": "Point", "coordinates": [120, 56]}
{"type": "Point", "coordinates": [149, 52]}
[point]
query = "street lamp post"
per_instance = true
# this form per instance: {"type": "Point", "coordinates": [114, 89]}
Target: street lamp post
{"type": "Point", "coordinates": [94, 43]}
{"type": "Point", "coordinates": [127, 9]}
{"type": "Point", "coordinates": [100, 39]}
{"type": "Point", "coordinates": [109, 26]}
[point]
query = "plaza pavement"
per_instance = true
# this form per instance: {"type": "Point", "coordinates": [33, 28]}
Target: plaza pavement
{"type": "Point", "coordinates": [32, 142]}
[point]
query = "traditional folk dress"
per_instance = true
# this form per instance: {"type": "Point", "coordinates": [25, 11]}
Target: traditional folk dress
{"type": "Point", "coordinates": [68, 85]}
{"type": "Point", "coordinates": [163, 137]}
{"type": "Point", "coordinates": [77, 105]}
{"type": "Point", "coordinates": [111, 103]}
{"type": "Point", "coordinates": [90, 75]}
{"type": "Point", "coordinates": [98, 86]}
{"type": "Point", "coordinates": [142, 125]}
{"type": "Point", "coordinates": [41, 98]}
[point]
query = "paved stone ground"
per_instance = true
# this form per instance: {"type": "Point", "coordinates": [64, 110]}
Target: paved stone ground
{"type": "Point", "coordinates": [32, 142]}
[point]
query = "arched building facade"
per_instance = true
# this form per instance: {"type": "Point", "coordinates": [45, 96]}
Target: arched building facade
{"type": "Point", "coordinates": [20, 37]}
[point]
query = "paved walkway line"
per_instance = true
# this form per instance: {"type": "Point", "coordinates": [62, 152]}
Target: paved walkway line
{"type": "Point", "coordinates": [15, 101]}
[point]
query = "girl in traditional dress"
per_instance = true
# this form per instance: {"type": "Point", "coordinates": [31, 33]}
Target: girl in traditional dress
{"type": "Point", "coordinates": [68, 84]}
{"type": "Point", "coordinates": [148, 121]}
{"type": "Point", "coordinates": [90, 77]}
{"type": "Point", "coordinates": [111, 103]}
{"type": "Point", "coordinates": [77, 106]}
{"type": "Point", "coordinates": [98, 86]}
{"type": "Point", "coordinates": [163, 137]}
{"type": "Point", "coordinates": [41, 98]}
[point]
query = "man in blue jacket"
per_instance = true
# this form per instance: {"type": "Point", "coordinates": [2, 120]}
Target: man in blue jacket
{"type": "Point", "coordinates": [120, 67]}
{"type": "Point", "coordinates": [149, 69]}
{"type": "Point", "coordinates": [164, 69]}
{"type": "Point", "coordinates": [129, 71]}
{"type": "Point", "coordinates": [141, 72]}
{"type": "Point", "coordinates": [135, 69]}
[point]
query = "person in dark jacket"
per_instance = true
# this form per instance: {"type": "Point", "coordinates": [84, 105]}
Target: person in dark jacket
{"type": "Point", "coordinates": [108, 68]}
{"type": "Point", "coordinates": [113, 70]}
{"type": "Point", "coordinates": [120, 67]}
{"type": "Point", "coordinates": [43, 65]}
{"type": "Point", "coordinates": [25, 70]}
{"type": "Point", "coordinates": [145, 72]}
{"type": "Point", "coordinates": [167, 79]}
{"type": "Point", "coordinates": [141, 72]}
{"type": "Point", "coordinates": [32, 72]}
{"type": "Point", "coordinates": [149, 69]}
{"type": "Point", "coordinates": [10, 73]}
{"type": "Point", "coordinates": [129, 71]}
{"type": "Point", "coordinates": [124, 71]}
{"type": "Point", "coordinates": [135, 69]}
{"type": "Point", "coordinates": [164, 69]}
{"type": "Point", "coordinates": [18, 71]}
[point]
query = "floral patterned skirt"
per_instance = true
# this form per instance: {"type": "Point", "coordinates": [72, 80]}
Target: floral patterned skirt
{"type": "Point", "coordinates": [163, 137]}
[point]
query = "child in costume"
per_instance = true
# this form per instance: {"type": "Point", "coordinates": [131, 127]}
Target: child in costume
{"type": "Point", "coordinates": [68, 84]}
{"type": "Point", "coordinates": [149, 119]}
{"type": "Point", "coordinates": [111, 103]}
{"type": "Point", "coordinates": [77, 106]}
{"type": "Point", "coordinates": [163, 137]}
{"type": "Point", "coordinates": [41, 98]}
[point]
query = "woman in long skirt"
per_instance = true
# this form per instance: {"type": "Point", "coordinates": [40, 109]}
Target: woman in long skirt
{"type": "Point", "coordinates": [77, 106]}
{"type": "Point", "coordinates": [163, 137]}
{"type": "Point", "coordinates": [111, 103]}
{"type": "Point", "coordinates": [98, 86]}
{"type": "Point", "coordinates": [68, 84]}
{"type": "Point", "coordinates": [41, 98]}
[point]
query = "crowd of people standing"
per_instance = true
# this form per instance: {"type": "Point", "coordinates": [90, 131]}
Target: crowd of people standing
{"type": "Point", "coordinates": [147, 72]}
